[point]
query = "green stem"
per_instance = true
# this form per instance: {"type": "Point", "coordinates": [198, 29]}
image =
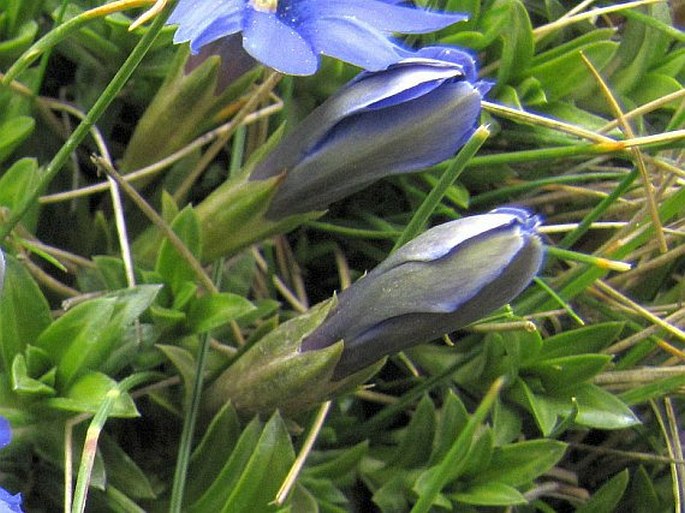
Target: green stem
{"type": "Point", "coordinates": [186, 444]}
{"type": "Point", "coordinates": [102, 103]}
{"type": "Point", "coordinates": [93, 434]}
{"type": "Point", "coordinates": [572, 237]}
{"type": "Point", "coordinates": [503, 193]}
{"type": "Point", "coordinates": [455, 168]}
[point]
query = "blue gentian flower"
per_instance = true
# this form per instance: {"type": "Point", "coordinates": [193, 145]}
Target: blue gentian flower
{"type": "Point", "coordinates": [8, 503]}
{"type": "Point", "coordinates": [444, 279]}
{"type": "Point", "coordinates": [290, 35]}
{"type": "Point", "coordinates": [416, 113]}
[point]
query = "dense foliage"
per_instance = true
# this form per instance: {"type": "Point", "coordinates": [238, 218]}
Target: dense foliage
{"type": "Point", "coordinates": [122, 304]}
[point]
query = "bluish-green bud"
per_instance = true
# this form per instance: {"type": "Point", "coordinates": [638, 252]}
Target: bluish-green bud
{"type": "Point", "coordinates": [445, 279]}
{"type": "Point", "coordinates": [416, 113]}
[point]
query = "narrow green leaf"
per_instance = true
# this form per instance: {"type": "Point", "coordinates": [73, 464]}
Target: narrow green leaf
{"type": "Point", "coordinates": [89, 334]}
{"type": "Point", "coordinates": [589, 339]}
{"type": "Point", "coordinates": [87, 394]}
{"type": "Point", "coordinates": [171, 265]}
{"type": "Point", "coordinates": [452, 419]}
{"type": "Point", "coordinates": [600, 409]}
{"type": "Point", "coordinates": [123, 472]}
{"type": "Point", "coordinates": [606, 498]}
{"type": "Point", "coordinates": [216, 310]}
{"type": "Point", "coordinates": [23, 384]}
{"type": "Point", "coordinates": [568, 371]}
{"type": "Point", "coordinates": [212, 453]}
{"type": "Point", "coordinates": [520, 463]}
{"type": "Point", "coordinates": [24, 312]}
{"type": "Point", "coordinates": [490, 494]}
{"type": "Point", "coordinates": [431, 482]}
{"type": "Point", "coordinates": [337, 463]}
{"type": "Point", "coordinates": [417, 438]}
{"type": "Point", "coordinates": [218, 491]}
{"type": "Point", "coordinates": [13, 132]}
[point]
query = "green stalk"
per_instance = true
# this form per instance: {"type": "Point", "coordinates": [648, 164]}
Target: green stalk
{"type": "Point", "coordinates": [102, 103]}
{"type": "Point", "coordinates": [455, 168]}
{"type": "Point", "coordinates": [93, 434]}
{"type": "Point", "coordinates": [572, 237]}
{"type": "Point", "coordinates": [186, 444]}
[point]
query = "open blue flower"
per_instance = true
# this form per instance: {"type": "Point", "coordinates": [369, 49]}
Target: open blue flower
{"type": "Point", "coordinates": [8, 503]}
{"type": "Point", "coordinates": [290, 35]}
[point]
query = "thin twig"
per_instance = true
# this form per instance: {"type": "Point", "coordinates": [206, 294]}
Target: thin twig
{"type": "Point", "coordinates": [166, 230]}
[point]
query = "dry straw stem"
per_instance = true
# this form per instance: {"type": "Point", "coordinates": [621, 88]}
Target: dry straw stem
{"type": "Point", "coordinates": [299, 462]}
{"type": "Point", "coordinates": [639, 310]}
{"type": "Point", "coordinates": [167, 162]}
{"type": "Point", "coordinates": [570, 19]}
{"type": "Point", "coordinates": [166, 230]}
{"type": "Point", "coordinates": [638, 337]}
{"type": "Point", "coordinates": [652, 206]}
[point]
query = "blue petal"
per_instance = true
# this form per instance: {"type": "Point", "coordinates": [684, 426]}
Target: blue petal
{"type": "Point", "coordinates": [445, 238]}
{"type": "Point", "coordinates": [388, 18]}
{"type": "Point", "coordinates": [204, 21]}
{"type": "Point", "coordinates": [454, 55]}
{"type": "Point", "coordinates": [5, 431]}
{"type": "Point", "coordinates": [277, 45]}
{"type": "Point", "coordinates": [366, 92]}
{"type": "Point", "coordinates": [353, 41]}
{"type": "Point", "coordinates": [10, 503]}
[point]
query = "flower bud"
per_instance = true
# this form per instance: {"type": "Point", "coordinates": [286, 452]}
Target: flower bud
{"type": "Point", "coordinates": [446, 278]}
{"type": "Point", "coordinates": [411, 115]}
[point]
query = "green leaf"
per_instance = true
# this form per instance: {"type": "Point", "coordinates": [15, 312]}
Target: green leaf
{"type": "Point", "coordinates": [88, 392]}
{"type": "Point", "coordinates": [652, 390]}
{"type": "Point", "coordinates": [429, 485]}
{"type": "Point", "coordinates": [606, 498]}
{"type": "Point", "coordinates": [337, 463]}
{"type": "Point", "coordinates": [490, 494]}
{"type": "Point", "coordinates": [216, 310]}
{"type": "Point", "coordinates": [25, 385]}
{"type": "Point", "coordinates": [642, 495]}
{"type": "Point", "coordinates": [171, 266]}
{"type": "Point", "coordinates": [520, 463]}
{"type": "Point", "coordinates": [600, 409]}
{"type": "Point", "coordinates": [88, 335]}
{"type": "Point", "coordinates": [20, 181]}
{"type": "Point", "coordinates": [568, 76]}
{"type": "Point", "coordinates": [506, 422]}
{"type": "Point", "coordinates": [12, 133]}
{"type": "Point", "coordinates": [13, 46]}
{"type": "Point", "coordinates": [186, 365]}
{"type": "Point", "coordinates": [480, 454]}
{"type": "Point", "coordinates": [654, 86]}
{"type": "Point", "coordinates": [24, 312]}
{"type": "Point", "coordinates": [212, 453]}
{"type": "Point", "coordinates": [568, 371]}
{"type": "Point", "coordinates": [590, 339]}
{"type": "Point", "coordinates": [122, 471]}
{"type": "Point", "coordinates": [391, 497]}
{"type": "Point", "coordinates": [251, 477]}
{"type": "Point", "coordinates": [452, 419]}
{"type": "Point", "coordinates": [417, 438]}
{"type": "Point", "coordinates": [544, 413]}
{"type": "Point", "coordinates": [508, 20]}
{"type": "Point", "coordinates": [641, 46]}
